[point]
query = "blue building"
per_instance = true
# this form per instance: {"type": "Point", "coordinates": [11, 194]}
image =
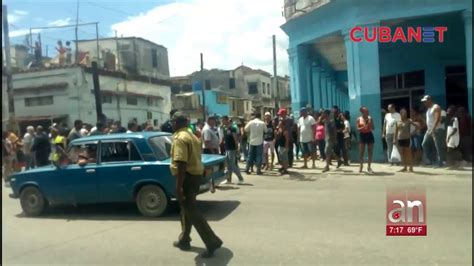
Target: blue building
{"type": "Point", "coordinates": [328, 66]}
{"type": "Point", "coordinates": [216, 102]}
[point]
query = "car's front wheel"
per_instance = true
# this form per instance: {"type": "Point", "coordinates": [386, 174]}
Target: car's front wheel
{"type": "Point", "coordinates": [151, 201]}
{"type": "Point", "coordinates": [32, 201]}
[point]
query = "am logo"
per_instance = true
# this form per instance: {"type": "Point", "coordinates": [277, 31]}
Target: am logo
{"type": "Point", "coordinates": [406, 212]}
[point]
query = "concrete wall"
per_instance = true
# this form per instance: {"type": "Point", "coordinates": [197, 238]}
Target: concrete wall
{"type": "Point", "coordinates": [213, 106]}
{"type": "Point", "coordinates": [142, 50]}
{"type": "Point", "coordinates": [76, 99]}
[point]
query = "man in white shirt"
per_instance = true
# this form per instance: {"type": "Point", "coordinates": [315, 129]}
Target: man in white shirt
{"type": "Point", "coordinates": [306, 136]}
{"type": "Point", "coordinates": [256, 128]}
{"type": "Point", "coordinates": [28, 139]}
{"type": "Point", "coordinates": [210, 137]}
{"type": "Point", "coordinates": [434, 139]}
{"type": "Point", "coordinates": [389, 126]}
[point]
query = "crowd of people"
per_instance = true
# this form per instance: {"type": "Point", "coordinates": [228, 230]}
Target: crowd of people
{"type": "Point", "coordinates": [410, 137]}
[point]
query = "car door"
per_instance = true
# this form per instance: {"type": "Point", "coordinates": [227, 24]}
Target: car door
{"type": "Point", "coordinates": [120, 166]}
{"type": "Point", "coordinates": [80, 184]}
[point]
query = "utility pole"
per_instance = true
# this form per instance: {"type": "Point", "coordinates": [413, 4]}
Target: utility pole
{"type": "Point", "coordinates": [203, 87]}
{"type": "Point", "coordinates": [275, 77]}
{"type": "Point", "coordinates": [118, 52]}
{"type": "Point", "coordinates": [97, 41]}
{"type": "Point", "coordinates": [76, 61]}
{"type": "Point", "coordinates": [6, 39]}
{"type": "Point", "coordinates": [97, 95]}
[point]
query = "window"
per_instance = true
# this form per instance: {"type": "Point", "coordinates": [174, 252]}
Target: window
{"type": "Point", "coordinates": [152, 101]}
{"type": "Point", "coordinates": [233, 106]}
{"type": "Point", "coordinates": [149, 115]}
{"type": "Point", "coordinates": [208, 84]}
{"type": "Point", "coordinates": [388, 83]}
{"type": "Point", "coordinates": [247, 106]}
{"type": "Point", "coordinates": [263, 87]}
{"type": "Point", "coordinates": [154, 58]}
{"type": "Point", "coordinates": [132, 101]}
{"type": "Point", "coordinates": [39, 101]}
{"type": "Point", "coordinates": [414, 79]}
{"type": "Point", "coordinates": [155, 122]}
{"type": "Point", "coordinates": [161, 147]}
{"type": "Point", "coordinates": [221, 98]}
{"type": "Point", "coordinates": [106, 98]}
{"type": "Point", "coordinates": [253, 88]}
{"type": "Point", "coordinates": [119, 152]}
{"type": "Point", "coordinates": [84, 149]}
{"type": "Point", "coordinates": [232, 83]}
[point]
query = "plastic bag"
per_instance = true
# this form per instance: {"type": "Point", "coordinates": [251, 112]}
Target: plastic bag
{"type": "Point", "coordinates": [395, 156]}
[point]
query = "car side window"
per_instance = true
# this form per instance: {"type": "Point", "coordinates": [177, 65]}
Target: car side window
{"type": "Point", "coordinates": [124, 151]}
{"type": "Point", "coordinates": [83, 150]}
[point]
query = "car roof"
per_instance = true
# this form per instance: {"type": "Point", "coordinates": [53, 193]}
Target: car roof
{"type": "Point", "coordinates": [135, 135]}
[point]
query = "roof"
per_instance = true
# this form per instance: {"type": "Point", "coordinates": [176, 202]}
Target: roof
{"type": "Point", "coordinates": [128, 93]}
{"type": "Point", "coordinates": [248, 70]}
{"type": "Point", "coordinates": [104, 72]}
{"type": "Point", "coordinates": [121, 38]}
{"type": "Point", "coordinates": [135, 135]}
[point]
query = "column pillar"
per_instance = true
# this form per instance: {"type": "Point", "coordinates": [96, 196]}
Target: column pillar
{"type": "Point", "coordinates": [364, 86]}
{"type": "Point", "coordinates": [317, 94]}
{"type": "Point", "coordinates": [309, 81]}
{"type": "Point", "coordinates": [299, 76]}
{"type": "Point", "coordinates": [330, 91]}
{"type": "Point", "coordinates": [467, 15]}
{"type": "Point", "coordinates": [324, 91]}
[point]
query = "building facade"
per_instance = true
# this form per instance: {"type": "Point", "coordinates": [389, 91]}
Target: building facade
{"type": "Point", "coordinates": [65, 94]}
{"type": "Point", "coordinates": [131, 55]}
{"type": "Point", "coordinates": [329, 67]}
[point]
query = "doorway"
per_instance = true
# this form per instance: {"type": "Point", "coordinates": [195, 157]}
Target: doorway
{"type": "Point", "coordinates": [456, 86]}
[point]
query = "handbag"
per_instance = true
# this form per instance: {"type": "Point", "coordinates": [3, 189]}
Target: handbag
{"type": "Point", "coordinates": [395, 156]}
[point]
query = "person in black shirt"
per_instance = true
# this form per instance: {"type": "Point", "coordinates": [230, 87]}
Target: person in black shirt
{"type": "Point", "coordinates": [41, 147]}
{"type": "Point", "coordinates": [340, 147]}
{"type": "Point", "coordinates": [167, 126]}
{"type": "Point", "coordinates": [231, 149]}
{"type": "Point", "coordinates": [268, 143]}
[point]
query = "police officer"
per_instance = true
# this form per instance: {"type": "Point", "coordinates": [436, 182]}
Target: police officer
{"type": "Point", "coordinates": [188, 169]}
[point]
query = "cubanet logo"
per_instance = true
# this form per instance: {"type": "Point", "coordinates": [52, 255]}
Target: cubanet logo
{"type": "Point", "coordinates": [385, 34]}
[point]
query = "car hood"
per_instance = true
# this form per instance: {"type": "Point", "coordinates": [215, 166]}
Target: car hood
{"type": "Point", "coordinates": [207, 159]}
{"type": "Point", "coordinates": [41, 169]}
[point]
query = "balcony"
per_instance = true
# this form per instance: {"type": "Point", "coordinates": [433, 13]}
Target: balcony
{"type": "Point", "coordinates": [296, 8]}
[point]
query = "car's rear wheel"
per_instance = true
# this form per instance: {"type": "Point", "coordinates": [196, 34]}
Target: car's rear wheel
{"type": "Point", "coordinates": [151, 201]}
{"type": "Point", "coordinates": [32, 201]}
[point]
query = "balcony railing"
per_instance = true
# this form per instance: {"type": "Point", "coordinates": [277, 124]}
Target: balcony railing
{"type": "Point", "coordinates": [296, 8]}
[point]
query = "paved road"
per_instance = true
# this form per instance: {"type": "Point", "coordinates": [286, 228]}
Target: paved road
{"type": "Point", "coordinates": [307, 218]}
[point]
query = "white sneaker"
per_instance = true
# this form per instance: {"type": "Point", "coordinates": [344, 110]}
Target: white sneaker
{"type": "Point", "coordinates": [240, 182]}
{"type": "Point", "coordinates": [226, 182]}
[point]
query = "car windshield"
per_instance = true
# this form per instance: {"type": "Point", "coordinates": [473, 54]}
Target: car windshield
{"type": "Point", "coordinates": [161, 147]}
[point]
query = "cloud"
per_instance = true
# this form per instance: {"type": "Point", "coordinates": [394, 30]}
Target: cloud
{"type": "Point", "coordinates": [22, 32]}
{"type": "Point", "coordinates": [16, 16]}
{"type": "Point", "coordinates": [60, 22]}
{"type": "Point", "coordinates": [228, 33]}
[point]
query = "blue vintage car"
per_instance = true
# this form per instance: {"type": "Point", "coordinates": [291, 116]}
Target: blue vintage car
{"type": "Point", "coordinates": [120, 168]}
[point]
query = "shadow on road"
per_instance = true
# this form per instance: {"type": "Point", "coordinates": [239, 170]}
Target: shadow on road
{"type": "Point", "coordinates": [212, 210]}
{"type": "Point", "coordinates": [222, 256]}
{"type": "Point", "coordinates": [299, 177]}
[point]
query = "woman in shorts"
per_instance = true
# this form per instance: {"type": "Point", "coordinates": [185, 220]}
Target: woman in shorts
{"type": "Point", "coordinates": [365, 126]}
{"type": "Point", "coordinates": [402, 140]}
{"type": "Point", "coordinates": [282, 140]}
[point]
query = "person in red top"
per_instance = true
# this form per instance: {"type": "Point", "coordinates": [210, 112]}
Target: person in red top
{"type": "Point", "coordinates": [365, 126]}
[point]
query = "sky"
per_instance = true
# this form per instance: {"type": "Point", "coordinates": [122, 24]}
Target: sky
{"type": "Point", "coordinates": [229, 33]}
